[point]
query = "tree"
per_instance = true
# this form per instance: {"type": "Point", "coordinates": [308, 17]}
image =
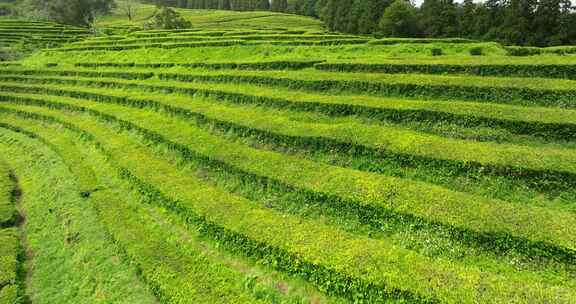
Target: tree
{"type": "Point", "coordinates": [73, 12]}
{"type": "Point", "coordinates": [368, 14]}
{"type": "Point", "coordinates": [438, 18]}
{"type": "Point", "coordinates": [263, 5]}
{"type": "Point", "coordinates": [167, 18]}
{"type": "Point", "coordinates": [344, 20]}
{"type": "Point", "coordinates": [309, 8]}
{"type": "Point", "coordinates": [279, 6]}
{"type": "Point", "coordinates": [224, 5]}
{"type": "Point", "coordinates": [518, 22]}
{"type": "Point", "coordinates": [467, 18]}
{"type": "Point", "coordinates": [129, 7]}
{"type": "Point", "coordinates": [400, 19]}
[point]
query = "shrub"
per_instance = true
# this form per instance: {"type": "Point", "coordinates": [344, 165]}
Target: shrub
{"type": "Point", "coordinates": [436, 52]}
{"type": "Point", "coordinates": [523, 51]}
{"type": "Point", "coordinates": [477, 51]}
{"type": "Point", "coordinates": [168, 19]}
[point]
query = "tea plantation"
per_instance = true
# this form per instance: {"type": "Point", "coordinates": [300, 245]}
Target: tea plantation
{"type": "Point", "coordinates": [257, 158]}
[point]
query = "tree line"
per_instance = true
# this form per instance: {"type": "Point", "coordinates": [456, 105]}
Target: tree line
{"type": "Point", "coordinates": [516, 22]}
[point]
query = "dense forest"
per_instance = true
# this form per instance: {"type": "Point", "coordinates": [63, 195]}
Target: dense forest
{"type": "Point", "coordinates": [515, 22]}
{"type": "Point", "coordinates": [520, 22]}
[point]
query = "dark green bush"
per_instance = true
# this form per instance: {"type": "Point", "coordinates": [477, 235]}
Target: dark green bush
{"type": "Point", "coordinates": [168, 19]}
{"type": "Point", "coordinates": [477, 51]}
{"type": "Point", "coordinates": [436, 52]}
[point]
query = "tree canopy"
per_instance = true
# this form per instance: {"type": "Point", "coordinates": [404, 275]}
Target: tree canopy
{"type": "Point", "coordinates": [518, 22]}
{"type": "Point", "coordinates": [73, 12]}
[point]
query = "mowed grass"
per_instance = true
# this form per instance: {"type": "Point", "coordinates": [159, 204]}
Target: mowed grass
{"type": "Point", "coordinates": [256, 158]}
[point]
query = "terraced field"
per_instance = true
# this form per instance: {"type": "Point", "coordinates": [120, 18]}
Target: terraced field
{"type": "Point", "coordinates": [154, 175]}
{"type": "Point", "coordinates": [39, 34]}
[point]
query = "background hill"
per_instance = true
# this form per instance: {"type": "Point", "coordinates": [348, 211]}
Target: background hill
{"type": "Point", "coordinates": [256, 157]}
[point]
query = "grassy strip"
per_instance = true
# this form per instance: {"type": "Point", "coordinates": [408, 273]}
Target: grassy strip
{"type": "Point", "coordinates": [265, 65]}
{"type": "Point", "coordinates": [307, 201]}
{"type": "Point", "coordinates": [10, 252]}
{"type": "Point", "coordinates": [519, 120]}
{"type": "Point", "coordinates": [7, 207]}
{"type": "Point", "coordinates": [304, 201]}
{"type": "Point", "coordinates": [178, 264]}
{"type": "Point", "coordinates": [216, 43]}
{"type": "Point", "coordinates": [10, 249]}
{"type": "Point", "coordinates": [73, 261]}
{"type": "Point", "coordinates": [219, 43]}
{"type": "Point", "coordinates": [348, 136]}
{"type": "Point", "coordinates": [491, 223]}
{"type": "Point", "coordinates": [176, 272]}
{"type": "Point", "coordinates": [389, 41]}
{"type": "Point", "coordinates": [532, 51]}
{"type": "Point", "coordinates": [199, 38]}
{"type": "Point", "coordinates": [557, 93]}
{"type": "Point", "coordinates": [338, 251]}
{"type": "Point", "coordinates": [506, 70]}
{"type": "Point", "coordinates": [122, 75]}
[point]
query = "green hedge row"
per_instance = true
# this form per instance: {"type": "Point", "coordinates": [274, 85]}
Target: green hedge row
{"type": "Point", "coordinates": [214, 34]}
{"type": "Point", "coordinates": [145, 243]}
{"type": "Point", "coordinates": [343, 264]}
{"type": "Point", "coordinates": [202, 203]}
{"type": "Point", "coordinates": [10, 252]}
{"type": "Point", "coordinates": [186, 39]}
{"type": "Point", "coordinates": [315, 42]}
{"type": "Point", "coordinates": [9, 64]}
{"type": "Point", "coordinates": [396, 111]}
{"type": "Point", "coordinates": [549, 127]}
{"type": "Point", "coordinates": [186, 272]}
{"type": "Point", "coordinates": [79, 73]}
{"type": "Point", "coordinates": [218, 43]}
{"type": "Point", "coordinates": [554, 176]}
{"type": "Point", "coordinates": [7, 199]}
{"type": "Point", "coordinates": [532, 51]}
{"type": "Point", "coordinates": [264, 65]}
{"type": "Point", "coordinates": [169, 267]}
{"type": "Point", "coordinates": [249, 32]}
{"type": "Point", "coordinates": [67, 242]}
{"type": "Point", "coordinates": [498, 225]}
{"type": "Point", "coordinates": [526, 95]}
{"type": "Point", "coordinates": [388, 41]}
{"type": "Point", "coordinates": [506, 70]}
{"type": "Point", "coordinates": [117, 42]}
{"type": "Point", "coordinates": [548, 183]}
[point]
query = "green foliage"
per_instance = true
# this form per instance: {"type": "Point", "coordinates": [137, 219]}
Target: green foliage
{"type": "Point", "coordinates": [279, 5]}
{"type": "Point", "coordinates": [9, 266]}
{"type": "Point", "coordinates": [166, 18]}
{"type": "Point", "coordinates": [220, 214]}
{"type": "Point", "coordinates": [436, 52]}
{"type": "Point", "coordinates": [399, 20]}
{"type": "Point", "coordinates": [362, 170]}
{"type": "Point", "coordinates": [7, 199]}
{"type": "Point", "coordinates": [476, 51]}
{"type": "Point", "coordinates": [566, 71]}
{"type": "Point", "coordinates": [515, 91]}
{"type": "Point", "coordinates": [73, 12]}
{"type": "Point", "coordinates": [438, 18]}
{"type": "Point", "coordinates": [68, 244]}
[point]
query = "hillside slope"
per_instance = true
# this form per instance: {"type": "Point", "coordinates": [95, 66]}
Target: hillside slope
{"type": "Point", "coordinates": [259, 159]}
